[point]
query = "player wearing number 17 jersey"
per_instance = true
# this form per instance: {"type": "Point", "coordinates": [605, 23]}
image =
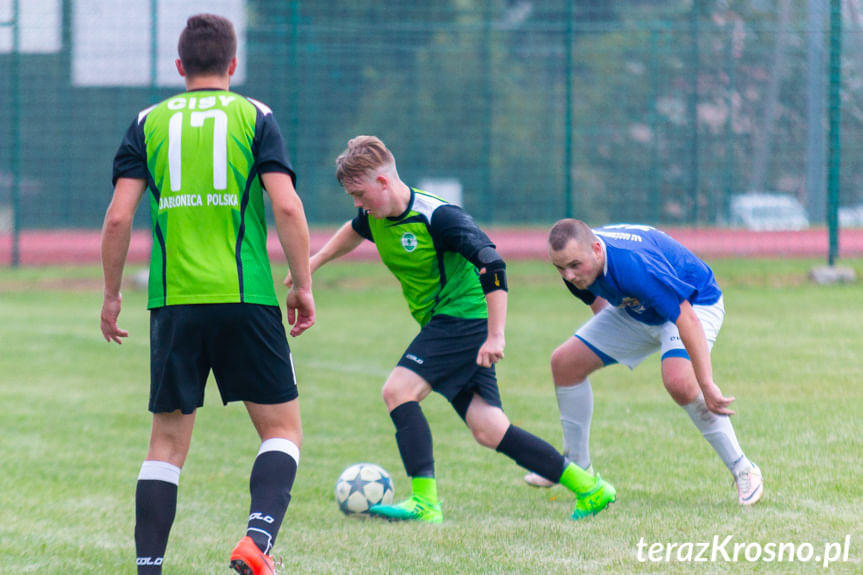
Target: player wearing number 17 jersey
{"type": "Point", "coordinates": [206, 156]}
{"type": "Point", "coordinates": [202, 153]}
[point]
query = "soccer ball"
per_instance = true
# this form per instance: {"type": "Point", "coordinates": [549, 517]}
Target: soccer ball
{"type": "Point", "coordinates": [362, 485]}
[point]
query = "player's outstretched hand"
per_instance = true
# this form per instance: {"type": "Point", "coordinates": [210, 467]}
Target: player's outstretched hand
{"type": "Point", "coordinates": [110, 312]}
{"type": "Point", "coordinates": [715, 401]}
{"type": "Point", "coordinates": [491, 351]}
{"type": "Point", "coordinates": [301, 310]}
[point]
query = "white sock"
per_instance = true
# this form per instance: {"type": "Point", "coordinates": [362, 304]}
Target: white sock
{"type": "Point", "coordinates": [281, 444]}
{"type": "Point", "coordinates": [576, 410]}
{"type": "Point", "coordinates": [153, 470]}
{"type": "Point", "coordinates": [718, 432]}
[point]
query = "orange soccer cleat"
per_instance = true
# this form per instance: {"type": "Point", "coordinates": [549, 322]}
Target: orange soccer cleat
{"type": "Point", "coordinates": [247, 559]}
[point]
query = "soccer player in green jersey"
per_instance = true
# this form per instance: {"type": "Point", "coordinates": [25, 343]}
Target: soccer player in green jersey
{"type": "Point", "coordinates": [206, 156]}
{"type": "Point", "coordinates": [455, 285]}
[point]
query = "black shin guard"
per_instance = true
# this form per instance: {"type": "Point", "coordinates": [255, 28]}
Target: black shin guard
{"type": "Point", "coordinates": [155, 509]}
{"type": "Point", "coordinates": [270, 486]}
{"type": "Point", "coordinates": [414, 439]}
{"type": "Point", "coordinates": [532, 453]}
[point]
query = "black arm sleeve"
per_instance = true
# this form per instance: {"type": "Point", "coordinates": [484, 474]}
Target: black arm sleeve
{"type": "Point", "coordinates": [455, 230]}
{"type": "Point", "coordinates": [361, 225]}
{"type": "Point", "coordinates": [584, 295]}
{"type": "Point", "coordinates": [130, 161]}
{"type": "Point", "coordinates": [269, 146]}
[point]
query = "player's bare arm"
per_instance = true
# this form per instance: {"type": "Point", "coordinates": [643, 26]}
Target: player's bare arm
{"type": "Point", "coordinates": [692, 335]}
{"type": "Point", "coordinates": [344, 241]}
{"type": "Point", "coordinates": [116, 235]}
{"type": "Point", "coordinates": [491, 351]}
{"type": "Point", "coordinates": [293, 232]}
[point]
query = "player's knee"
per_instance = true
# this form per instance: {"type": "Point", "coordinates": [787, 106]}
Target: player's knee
{"type": "Point", "coordinates": [394, 396]}
{"type": "Point", "coordinates": [566, 369]}
{"type": "Point", "coordinates": [488, 426]}
{"type": "Point", "coordinates": [485, 440]}
{"type": "Point", "coordinates": [487, 437]}
{"type": "Point", "coordinates": [682, 390]}
{"type": "Point", "coordinates": [389, 396]}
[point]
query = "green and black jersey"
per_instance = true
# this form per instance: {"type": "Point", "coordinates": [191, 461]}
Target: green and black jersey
{"type": "Point", "coordinates": [201, 153]}
{"type": "Point", "coordinates": [432, 250]}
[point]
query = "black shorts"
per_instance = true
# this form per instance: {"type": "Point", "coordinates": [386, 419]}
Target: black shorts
{"type": "Point", "coordinates": [244, 344]}
{"type": "Point", "coordinates": [444, 354]}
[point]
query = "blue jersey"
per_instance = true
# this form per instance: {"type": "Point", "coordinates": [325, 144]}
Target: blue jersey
{"type": "Point", "coordinates": [651, 274]}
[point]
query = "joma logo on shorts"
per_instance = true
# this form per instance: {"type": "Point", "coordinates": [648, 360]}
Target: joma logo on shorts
{"type": "Point", "coordinates": [414, 358]}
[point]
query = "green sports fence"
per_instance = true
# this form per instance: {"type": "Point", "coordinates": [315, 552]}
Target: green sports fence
{"type": "Point", "coordinates": [653, 111]}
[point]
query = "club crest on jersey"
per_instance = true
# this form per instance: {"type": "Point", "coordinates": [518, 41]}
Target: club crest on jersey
{"type": "Point", "coordinates": [634, 305]}
{"type": "Point", "coordinates": [409, 242]}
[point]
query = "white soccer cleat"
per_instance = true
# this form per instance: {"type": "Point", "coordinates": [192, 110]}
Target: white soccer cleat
{"type": "Point", "coordinates": [537, 480]}
{"type": "Point", "coordinates": [750, 485]}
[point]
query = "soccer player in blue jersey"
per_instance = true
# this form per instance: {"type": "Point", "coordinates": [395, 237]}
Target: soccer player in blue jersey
{"type": "Point", "coordinates": [648, 293]}
{"type": "Point", "coordinates": [206, 156]}
{"type": "Point", "coordinates": [455, 284]}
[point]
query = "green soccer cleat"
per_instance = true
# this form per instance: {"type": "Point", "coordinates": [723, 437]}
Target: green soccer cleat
{"type": "Point", "coordinates": [537, 480]}
{"type": "Point", "coordinates": [595, 500]}
{"type": "Point", "coordinates": [414, 509]}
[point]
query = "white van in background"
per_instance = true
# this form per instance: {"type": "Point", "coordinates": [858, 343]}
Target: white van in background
{"type": "Point", "coordinates": [767, 212]}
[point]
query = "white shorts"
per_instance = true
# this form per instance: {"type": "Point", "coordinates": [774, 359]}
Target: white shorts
{"type": "Point", "coordinates": [618, 338]}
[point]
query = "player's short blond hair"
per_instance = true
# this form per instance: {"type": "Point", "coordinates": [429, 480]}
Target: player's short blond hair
{"type": "Point", "coordinates": [570, 229]}
{"type": "Point", "coordinates": [364, 155]}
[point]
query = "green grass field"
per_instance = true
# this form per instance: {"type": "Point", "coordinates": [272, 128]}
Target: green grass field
{"type": "Point", "coordinates": [74, 430]}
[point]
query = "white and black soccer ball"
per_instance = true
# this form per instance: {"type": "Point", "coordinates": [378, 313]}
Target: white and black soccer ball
{"type": "Point", "coordinates": [362, 485]}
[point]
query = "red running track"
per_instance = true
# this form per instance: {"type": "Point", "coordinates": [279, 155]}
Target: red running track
{"type": "Point", "coordinates": [59, 247]}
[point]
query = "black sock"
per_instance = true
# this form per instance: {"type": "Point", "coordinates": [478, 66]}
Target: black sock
{"type": "Point", "coordinates": [270, 486]}
{"type": "Point", "coordinates": [532, 453]}
{"type": "Point", "coordinates": [155, 508]}
{"type": "Point", "coordinates": [414, 439]}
